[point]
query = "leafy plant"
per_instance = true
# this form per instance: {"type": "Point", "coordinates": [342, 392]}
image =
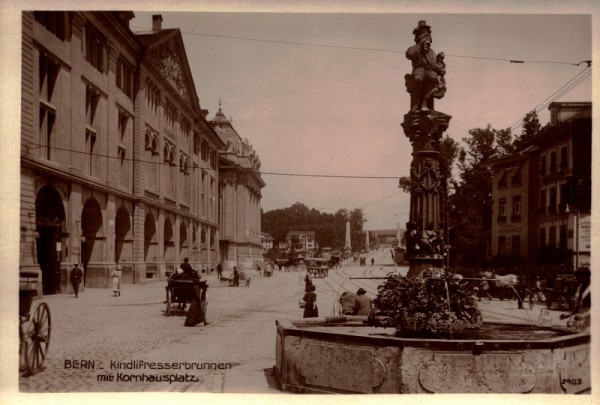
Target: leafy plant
{"type": "Point", "coordinates": [430, 305]}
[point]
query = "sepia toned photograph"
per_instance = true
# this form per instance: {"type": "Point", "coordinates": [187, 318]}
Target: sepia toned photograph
{"type": "Point", "coordinates": [314, 201]}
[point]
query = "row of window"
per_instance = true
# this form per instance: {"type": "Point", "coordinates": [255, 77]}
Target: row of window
{"type": "Point", "coordinates": [199, 146]}
{"type": "Point", "coordinates": [48, 77]}
{"type": "Point", "coordinates": [515, 245]}
{"type": "Point", "coordinates": [549, 165]}
{"type": "Point", "coordinates": [548, 203]}
{"type": "Point", "coordinates": [95, 47]}
{"type": "Point", "coordinates": [551, 202]}
{"type": "Point", "coordinates": [206, 206]}
{"type": "Point", "coordinates": [548, 237]}
{"type": "Point", "coordinates": [95, 54]}
{"type": "Point", "coordinates": [516, 209]}
{"type": "Point", "coordinates": [515, 179]}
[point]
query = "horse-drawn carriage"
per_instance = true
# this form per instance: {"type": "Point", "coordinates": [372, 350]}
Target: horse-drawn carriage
{"type": "Point", "coordinates": [34, 325]}
{"type": "Point", "coordinates": [562, 292]}
{"type": "Point", "coordinates": [181, 292]}
{"type": "Point", "coordinates": [294, 264]}
{"type": "Point", "coordinates": [317, 267]}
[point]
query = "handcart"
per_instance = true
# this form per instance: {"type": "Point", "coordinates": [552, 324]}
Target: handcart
{"type": "Point", "coordinates": [34, 325]}
{"type": "Point", "coordinates": [181, 292]}
{"type": "Point", "coordinates": [563, 292]}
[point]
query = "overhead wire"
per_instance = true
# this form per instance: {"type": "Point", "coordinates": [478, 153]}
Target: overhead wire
{"type": "Point", "coordinates": [356, 48]}
{"type": "Point", "coordinates": [195, 166]}
{"type": "Point", "coordinates": [570, 85]}
{"type": "Point", "coordinates": [565, 88]}
{"type": "Point", "coordinates": [561, 91]}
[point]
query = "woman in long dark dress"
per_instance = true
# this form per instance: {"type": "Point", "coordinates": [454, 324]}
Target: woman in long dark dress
{"type": "Point", "coordinates": [310, 297]}
{"type": "Point", "coordinates": [197, 311]}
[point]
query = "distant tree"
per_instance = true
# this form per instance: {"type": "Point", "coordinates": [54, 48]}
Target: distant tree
{"type": "Point", "coordinates": [329, 228]}
{"type": "Point", "coordinates": [531, 128]}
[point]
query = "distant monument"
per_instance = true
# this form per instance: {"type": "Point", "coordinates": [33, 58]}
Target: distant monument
{"type": "Point", "coordinates": [348, 243]}
{"type": "Point", "coordinates": [424, 126]}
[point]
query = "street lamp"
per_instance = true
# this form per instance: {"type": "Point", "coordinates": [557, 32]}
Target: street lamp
{"type": "Point", "coordinates": [575, 233]}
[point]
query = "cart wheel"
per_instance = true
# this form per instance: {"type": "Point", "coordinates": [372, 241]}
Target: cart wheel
{"type": "Point", "coordinates": [37, 339]}
{"type": "Point", "coordinates": [168, 304]}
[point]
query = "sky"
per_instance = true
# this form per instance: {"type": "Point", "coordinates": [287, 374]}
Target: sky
{"type": "Point", "coordinates": [323, 93]}
{"type": "Point", "coordinates": [317, 87]}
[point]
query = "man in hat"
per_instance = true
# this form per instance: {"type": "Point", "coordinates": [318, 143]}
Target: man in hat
{"type": "Point", "coordinates": [363, 302]}
{"type": "Point", "coordinates": [428, 70]}
{"type": "Point", "coordinates": [75, 277]}
{"type": "Point", "coordinates": [348, 303]}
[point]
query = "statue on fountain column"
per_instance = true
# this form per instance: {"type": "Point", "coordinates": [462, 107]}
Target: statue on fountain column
{"type": "Point", "coordinates": [427, 78]}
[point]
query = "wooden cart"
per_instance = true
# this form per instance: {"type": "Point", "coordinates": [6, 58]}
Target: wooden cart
{"type": "Point", "coordinates": [34, 325]}
{"type": "Point", "coordinates": [179, 294]}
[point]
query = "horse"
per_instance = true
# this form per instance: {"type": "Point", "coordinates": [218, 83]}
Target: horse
{"type": "Point", "coordinates": [502, 284]}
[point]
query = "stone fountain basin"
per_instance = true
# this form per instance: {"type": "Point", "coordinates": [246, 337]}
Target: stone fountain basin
{"type": "Point", "coordinates": [344, 355]}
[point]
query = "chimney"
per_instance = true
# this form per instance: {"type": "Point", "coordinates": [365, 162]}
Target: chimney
{"type": "Point", "coordinates": [156, 22]}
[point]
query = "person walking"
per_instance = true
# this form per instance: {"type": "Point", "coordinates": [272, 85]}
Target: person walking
{"type": "Point", "coordinates": [75, 277]}
{"type": "Point", "coordinates": [307, 281]}
{"type": "Point", "coordinates": [310, 298]}
{"type": "Point", "coordinates": [484, 289]}
{"type": "Point", "coordinates": [116, 275]}
{"type": "Point", "coordinates": [372, 261]}
{"type": "Point", "coordinates": [363, 302]}
{"type": "Point", "coordinates": [236, 277]}
{"type": "Point", "coordinates": [220, 270]}
{"type": "Point", "coordinates": [197, 312]}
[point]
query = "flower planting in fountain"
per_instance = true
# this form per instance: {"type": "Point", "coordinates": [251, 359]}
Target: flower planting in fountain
{"type": "Point", "coordinates": [427, 305]}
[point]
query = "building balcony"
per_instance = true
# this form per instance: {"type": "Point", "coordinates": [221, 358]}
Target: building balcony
{"type": "Point", "coordinates": [515, 218]}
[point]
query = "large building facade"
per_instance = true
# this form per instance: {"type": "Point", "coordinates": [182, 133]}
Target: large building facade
{"type": "Point", "coordinates": [118, 162]}
{"type": "Point", "coordinates": [240, 185]}
{"type": "Point", "coordinates": [542, 194]}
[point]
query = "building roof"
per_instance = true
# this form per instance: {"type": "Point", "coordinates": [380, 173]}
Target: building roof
{"type": "Point", "coordinates": [290, 234]}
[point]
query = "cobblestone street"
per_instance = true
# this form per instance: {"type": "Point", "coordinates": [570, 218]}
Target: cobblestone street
{"type": "Point", "coordinates": [96, 329]}
{"type": "Point", "coordinates": [98, 340]}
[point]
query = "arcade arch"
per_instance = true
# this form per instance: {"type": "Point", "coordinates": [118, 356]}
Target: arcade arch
{"type": "Point", "coordinates": [50, 220]}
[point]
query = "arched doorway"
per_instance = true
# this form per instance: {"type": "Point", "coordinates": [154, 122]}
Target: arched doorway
{"type": "Point", "coordinates": [123, 240]}
{"type": "Point", "coordinates": [50, 219]}
{"type": "Point", "coordinates": [92, 235]}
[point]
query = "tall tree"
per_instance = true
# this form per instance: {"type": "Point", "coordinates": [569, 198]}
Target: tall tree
{"type": "Point", "coordinates": [470, 206]}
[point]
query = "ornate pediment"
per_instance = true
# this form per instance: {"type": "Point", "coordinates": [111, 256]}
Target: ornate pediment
{"type": "Point", "coordinates": [169, 62]}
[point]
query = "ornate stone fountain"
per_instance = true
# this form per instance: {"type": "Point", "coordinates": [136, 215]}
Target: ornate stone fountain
{"type": "Point", "coordinates": [344, 355]}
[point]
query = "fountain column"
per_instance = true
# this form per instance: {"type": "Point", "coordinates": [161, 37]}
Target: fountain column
{"type": "Point", "coordinates": [424, 127]}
